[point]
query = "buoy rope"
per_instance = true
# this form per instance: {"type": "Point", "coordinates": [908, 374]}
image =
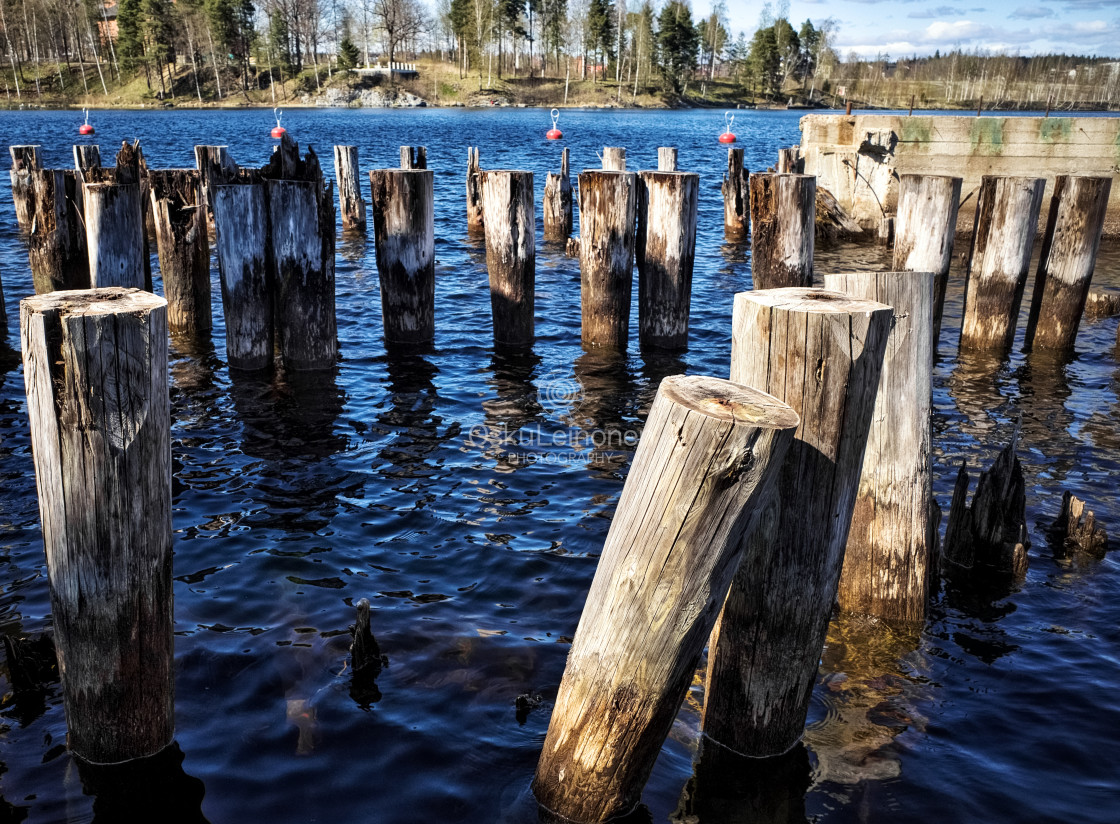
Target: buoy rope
{"type": "Point", "coordinates": [555, 116]}
{"type": "Point", "coordinates": [277, 113]}
{"type": "Point", "coordinates": [729, 119]}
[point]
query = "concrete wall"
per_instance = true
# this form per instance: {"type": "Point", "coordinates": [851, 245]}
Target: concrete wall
{"type": "Point", "coordinates": [859, 157]}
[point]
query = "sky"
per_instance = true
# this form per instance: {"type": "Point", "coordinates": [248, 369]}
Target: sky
{"type": "Point", "coordinates": [905, 27]}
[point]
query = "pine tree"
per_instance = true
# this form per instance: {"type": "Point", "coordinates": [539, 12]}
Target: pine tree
{"type": "Point", "coordinates": [130, 35]}
{"type": "Point", "coordinates": [679, 44]}
{"type": "Point", "coordinates": [348, 54]}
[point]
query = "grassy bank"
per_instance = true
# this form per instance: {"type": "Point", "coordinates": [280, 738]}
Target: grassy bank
{"type": "Point", "coordinates": [438, 84]}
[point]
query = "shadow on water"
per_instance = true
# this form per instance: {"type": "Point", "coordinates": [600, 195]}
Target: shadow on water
{"type": "Point", "coordinates": [146, 790]}
{"type": "Point", "coordinates": [410, 417]}
{"type": "Point", "coordinates": [512, 418]}
{"type": "Point", "coordinates": [656, 366]}
{"type": "Point", "coordinates": [728, 788]}
{"type": "Point", "coordinates": [290, 416]}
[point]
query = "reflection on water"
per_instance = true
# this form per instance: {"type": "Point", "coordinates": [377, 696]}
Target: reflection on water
{"type": "Point", "coordinates": [871, 696]}
{"type": "Point", "coordinates": [605, 409]}
{"type": "Point", "coordinates": [143, 791]}
{"type": "Point", "coordinates": [1044, 389]}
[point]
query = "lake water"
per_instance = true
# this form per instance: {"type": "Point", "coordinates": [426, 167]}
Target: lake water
{"type": "Point", "coordinates": [294, 500]}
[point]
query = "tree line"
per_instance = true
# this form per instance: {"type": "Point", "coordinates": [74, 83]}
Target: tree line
{"type": "Point", "coordinates": [230, 46]}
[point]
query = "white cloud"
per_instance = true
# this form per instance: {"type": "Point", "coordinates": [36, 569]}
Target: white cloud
{"type": "Point", "coordinates": [960, 30]}
{"type": "Point", "coordinates": [940, 11]}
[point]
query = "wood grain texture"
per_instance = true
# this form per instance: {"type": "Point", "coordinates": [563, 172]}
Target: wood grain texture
{"type": "Point", "coordinates": [614, 159]}
{"type": "Point", "coordinates": [414, 158]}
{"type": "Point", "coordinates": [511, 255]}
{"type": "Point", "coordinates": [893, 540]}
{"type": "Point", "coordinates": [86, 156]}
{"type": "Point", "coordinates": [708, 455]}
{"type": "Point", "coordinates": [404, 232]}
{"type": "Point", "coordinates": [665, 252]}
{"type": "Point", "coordinates": [736, 196]}
{"type": "Point", "coordinates": [475, 218]}
{"type": "Point", "coordinates": [783, 224]}
{"type": "Point", "coordinates": [56, 242]}
{"type": "Point", "coordinates": [25, 159]}
{"type": "Point", "coordinates": [822, 353]}
{"type": "Point", "coordinates": [95, 366]}
{"type": "Point", "coordinates": [925, 227]}
{"type": "Point", "coordinates": [301, 223]}
{"type": "Point", "coordinates": [607, 211]}
{"type": "Point", "coordinates": [666, 158]}
{"type": "Point", "coordinates": [558, 202]}
{"type": "Point", "coordinates": [184, 251]}
{"type": "Point", "coordinates": [115, 235]}
{"type": "Point", "coordinates": [1069, 255]}
{"type": "Point", "coordinates": [351, 204]}
{"type": "Point", "coordinates": [1002, 242]}
{"type": "Point", "coordinates": [790, 162]}
{"type": "Point", "coordinates": [241, 221]}
{"type": "Point", "coordinates": [217, 169]}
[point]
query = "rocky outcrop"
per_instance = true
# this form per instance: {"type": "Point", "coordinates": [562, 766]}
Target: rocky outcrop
{"type": "Point", "coordinates": [366, 99]}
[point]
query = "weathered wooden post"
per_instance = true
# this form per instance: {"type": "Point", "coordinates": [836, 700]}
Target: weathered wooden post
{"type": "Point", "coordinates": [474, 193]}
{"type": "Point", "coordinates": [241, 221]}
{"type": "Point", "coordinates": [1069, 253]}
{"type": "Point", "coordinates": [783, 222]}
{"type": "Point", "coordinates": [95, 365]}
{"type": "Point", "coordinates": [614, 159]}
{"type": "Point", "coordinates": [666, 249]}
{"type": "Point", "coordinates": [87, 157]}
{"type": "Point", "coordinates": [25, 160]}
{"type": "Point", "coordinates": [822, 353]}
{"type": "Point", "coordinates": [404, 233]}
{"type": "Point", "coordinates": [666, 158]}
{"type": "Point", "coordinates": [301, 217]}
{"type": "Point", "coordinates": [350, 201]}
{"type": "Point", "coordinates": [925, 227]}
{"type": "Point", "coordinates": [789, 161]}
{"type": "Point", "coordinates": [893, 534]}
{"type": "Point", "coordinates": [706, 460]}
{"type": "Point", "coordinates": [558, 202]}
{"type": "Point", "coordinates": [57, 239]}
{"type": "Point", "coordinates": [607, 209]}
{"type": "Point", "coordinates": [414, 157]}
{"type": "Point", "coordinates": [1002, 241]}
{"type": "Point", "coordinates": [511, 231]}
{"type": "Point", "coordinates": [736, 196]}
{"type": "Point", "coordinates": [115, 235]}
{"type": "Point", "coordinates": [184, 252]}
{"type": "Point", "coordinates": [217, 169]}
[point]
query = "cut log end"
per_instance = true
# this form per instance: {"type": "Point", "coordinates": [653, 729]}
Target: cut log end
{"type": "Point", "coordinates": [727, 401]}
{"type": "Point", "coordinates": [109, 300]}
{"type": "Point", "coordinates": [815, 301]}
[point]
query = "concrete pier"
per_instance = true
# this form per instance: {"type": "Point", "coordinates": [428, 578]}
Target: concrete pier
{"type": "Point", "coordinates": [859, 157]}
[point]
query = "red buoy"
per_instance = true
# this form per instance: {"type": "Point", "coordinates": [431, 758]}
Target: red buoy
{"type": "Point", "coordinates": [278, 131]}
{"type": "Point", "coordinates": [727, 136]}
{"type": "Point", "coordinates": [554, 133]}
{"type": "Point", "coordinates": [85, 128]}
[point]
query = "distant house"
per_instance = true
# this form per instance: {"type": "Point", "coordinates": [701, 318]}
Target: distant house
{"type": "Point", "coordinates": [107, 22]}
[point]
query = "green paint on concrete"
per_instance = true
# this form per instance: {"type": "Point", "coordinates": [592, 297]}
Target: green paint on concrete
{"type": "Point", "coordinates": [1055, 129]}
{"type": "Point", "coordinates": [916, 130]}
{"type": "Point", "coordinates": [986, 136]}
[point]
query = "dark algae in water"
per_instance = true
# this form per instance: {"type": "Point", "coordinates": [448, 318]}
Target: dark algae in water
{"type": "Point", "coordinates": [466, 492]}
